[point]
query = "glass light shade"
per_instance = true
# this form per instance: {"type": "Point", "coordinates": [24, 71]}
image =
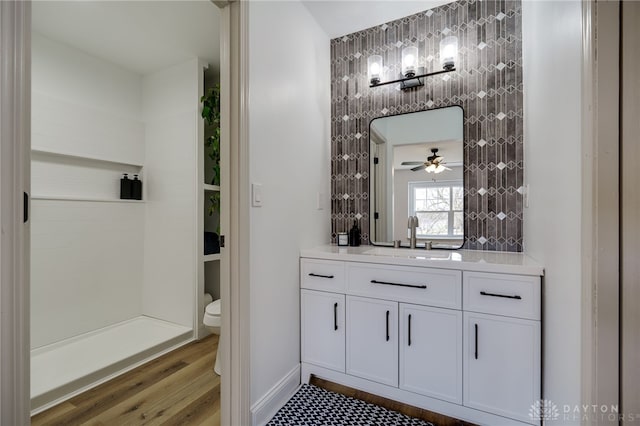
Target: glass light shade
{"type": "Point", "coordinates": [431, 168]}
{"type": "Point", "coordinates": [439, 169]}
{"type": "Point", "coordinates": [448, 52]}
{"type": "Point", "coordinates": [374, 65]}
{"type": "Point", "coordinates": [409, 61]}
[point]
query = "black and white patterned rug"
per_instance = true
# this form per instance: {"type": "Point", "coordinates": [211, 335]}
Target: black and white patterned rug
{"type": "Point", "coordinates": [314, 406]}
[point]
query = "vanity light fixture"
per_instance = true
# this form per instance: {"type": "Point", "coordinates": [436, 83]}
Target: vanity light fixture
{"type": "Point", "coordinates": [409, 61]}
{"type": "Point", "coordinates": [412, 74]}
{"type": "Point", "coordinates": [448, 52]}
{"type": "Point", "coordinates": [374, 65]}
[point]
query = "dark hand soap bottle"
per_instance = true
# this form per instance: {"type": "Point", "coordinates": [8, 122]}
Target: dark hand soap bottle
{"type": "Point", "coordinates": [126, 187]}
{"type": "Point", "coordinates": [354, 235]}
{"type": "Point", "coordinates": [136, 188]}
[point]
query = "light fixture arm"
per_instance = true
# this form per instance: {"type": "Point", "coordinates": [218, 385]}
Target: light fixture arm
{"type": "Point", "coordinates": [411, 82]}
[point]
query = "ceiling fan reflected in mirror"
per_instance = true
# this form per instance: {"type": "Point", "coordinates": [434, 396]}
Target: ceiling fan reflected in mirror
{"type": "Point", "coordinates": [434, 164]}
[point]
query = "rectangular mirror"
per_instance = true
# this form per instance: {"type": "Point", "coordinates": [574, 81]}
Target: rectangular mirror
{"type": "Point", "coordinates": [417, 170]}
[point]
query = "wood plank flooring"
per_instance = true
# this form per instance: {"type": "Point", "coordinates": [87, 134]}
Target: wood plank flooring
{"type": "Point", "coordinates": [179, 388]}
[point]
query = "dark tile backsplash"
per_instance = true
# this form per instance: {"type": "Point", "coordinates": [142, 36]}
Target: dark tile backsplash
{"type": "Point", "coordinates": [487, 83]}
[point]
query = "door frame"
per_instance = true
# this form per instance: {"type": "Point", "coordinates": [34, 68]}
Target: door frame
{"type": "Point", "coordinates": [15, 147]}
{"type": "Point", "coordinates": [234, 79]}
{"type": "Point", "coordinates": [600, 219]}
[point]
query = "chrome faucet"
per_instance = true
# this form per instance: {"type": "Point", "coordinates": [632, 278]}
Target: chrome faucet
{"type": "Point", "coordinates": [412, 225]}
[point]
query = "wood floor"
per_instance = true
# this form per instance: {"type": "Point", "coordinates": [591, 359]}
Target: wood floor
{"type": "Point", "coordinates": [179, 388]}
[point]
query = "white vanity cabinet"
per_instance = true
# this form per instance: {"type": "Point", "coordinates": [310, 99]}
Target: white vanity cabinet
{"type": "Point", "coordinates": [323, 329]}
{"type": "Point", "coordinates": [431, 352]}
{"type": "Point", "coordinates": [501, 364]}
{"type": "Point", "coordinates": [458, 338]}
{"type": "Point", "coordinates": [501, 343]}
{"type": "Point", "coordinates": [372, 339]}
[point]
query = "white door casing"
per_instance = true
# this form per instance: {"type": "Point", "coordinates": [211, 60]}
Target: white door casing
{"type": "Point", "coordinates": [15, 147]}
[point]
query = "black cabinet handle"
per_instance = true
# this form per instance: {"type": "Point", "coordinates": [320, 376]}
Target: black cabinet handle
{"type": "Point", "coordinates": [320, 276]}
{"type": "Point", "coordinates": [387, 326]}
{"type": "Point", "coordinates": [25, 212]}
{"type": "Point", "coordinates": [397, 284]}
{"type": "Point", "coordinates": [484, 293]}
{"type": "Point", "coordinates": [476, 327]}
{"type": "Point", "coordinates": [409, 330]}
{"type": "Point", "coordinates": [335, 316]}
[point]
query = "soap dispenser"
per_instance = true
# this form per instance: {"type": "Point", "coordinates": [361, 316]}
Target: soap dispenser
{"type": "Point", "coordinates": [354, 235]}
{"type": "Point", "coordinates": [136, 188]}
{"type": "Point", "coordinates": [125, 187]}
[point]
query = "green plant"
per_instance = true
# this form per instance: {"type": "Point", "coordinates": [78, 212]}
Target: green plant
{"type": "Point", "coordinates": [211, 114]}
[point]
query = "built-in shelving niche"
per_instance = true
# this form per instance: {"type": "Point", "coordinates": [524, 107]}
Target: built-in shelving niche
{"type": "Point", "coordinates": [70, 177]}
{"type": "Point", "coordinates": [209, 267]}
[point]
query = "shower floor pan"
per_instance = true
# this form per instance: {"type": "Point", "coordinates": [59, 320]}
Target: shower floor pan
{"type": "Point", "coordinates": [64, 369]}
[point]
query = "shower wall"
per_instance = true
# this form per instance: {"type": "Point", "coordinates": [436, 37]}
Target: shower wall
{"type": "Point", "coordinates": [98, 260]}
{"type": "Point", "coordinates": [87, 246]}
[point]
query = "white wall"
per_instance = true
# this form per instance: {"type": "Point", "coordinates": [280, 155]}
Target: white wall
{"type": "Point", "coordinates": [84, 105]}
{"type": "Point", "coordinates": [86, 267]}
{"type": "Point", "coordinates": [552, 110]}
{"type": "Point", "coordinates": [86, 264]}
{"type": "Point", "coordinates": [171, 115]}
{"type": "Point", "coordinates": [289, 133]}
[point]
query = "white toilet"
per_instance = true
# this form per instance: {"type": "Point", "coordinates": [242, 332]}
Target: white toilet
{"type": "Point", "coordinates": [212, 321]}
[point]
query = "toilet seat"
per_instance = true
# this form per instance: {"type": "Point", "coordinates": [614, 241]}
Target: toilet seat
{"type": "Point", "coordinates": [212, 314]}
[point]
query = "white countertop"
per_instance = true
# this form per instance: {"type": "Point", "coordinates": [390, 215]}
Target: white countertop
{"type": "Point", "coordinates": [465, 260]}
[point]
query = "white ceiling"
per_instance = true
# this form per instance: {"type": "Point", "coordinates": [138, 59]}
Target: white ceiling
{"type": "Point", "coordinates": [142, 36]}
{"type": "Point", "coordinates": [340, 17]}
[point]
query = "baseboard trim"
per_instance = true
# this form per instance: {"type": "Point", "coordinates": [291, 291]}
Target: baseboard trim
{"type": "Point", "coordinates": [263, 410]}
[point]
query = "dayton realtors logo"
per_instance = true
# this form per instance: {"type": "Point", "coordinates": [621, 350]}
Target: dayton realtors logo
{"type": "Point", "coordinates": [544, 409]}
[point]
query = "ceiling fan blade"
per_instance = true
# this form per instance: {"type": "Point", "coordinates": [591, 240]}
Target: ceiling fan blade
{"type": "Point", "coordinates": [420, 167]}
{"type": "Point", "coordinates": [411, 163]}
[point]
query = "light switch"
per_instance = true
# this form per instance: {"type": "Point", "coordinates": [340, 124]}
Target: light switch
{"type": "Point", "coordinates": [256, 194]}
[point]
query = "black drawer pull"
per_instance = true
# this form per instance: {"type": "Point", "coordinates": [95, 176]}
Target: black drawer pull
{"type": "Point", "coordinates": [476, 354]}
{"type": "Point", "coordinates": [484, 293]}
{"type": "Point", "coordinates": [335, 316]}
{"type": "Point", "coordinates": [320, 276]}
{"type": "Point", "coordinates": [387, 326]}
{"type": "Point", "coordinates": [409, 330]}
{"type": "Point", "coordinates": [399, 285]}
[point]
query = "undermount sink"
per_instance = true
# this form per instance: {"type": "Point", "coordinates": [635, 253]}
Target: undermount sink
{"type": "Point", "coordinates": [405, 252]}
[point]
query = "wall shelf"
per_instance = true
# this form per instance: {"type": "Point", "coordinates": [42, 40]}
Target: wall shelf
{"type": "Point", "coordinates": [82, 157]}
{"type": "Point", "coordinates": [211, 188]}
{"type": "Point", "coordinates": [212, 257]}
{"type": "Point", "coordinates": [97, 200]}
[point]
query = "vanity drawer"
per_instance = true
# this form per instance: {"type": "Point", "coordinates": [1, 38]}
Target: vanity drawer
{"type": "Point", "coordinates": [509, 295]}
{"type": "Point", "coordinates": [425, 286]}
{"type": "Point", "coordinates": [323, 275]}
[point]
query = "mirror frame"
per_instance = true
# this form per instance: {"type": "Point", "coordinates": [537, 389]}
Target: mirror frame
{"type": "Point", "coordinates": [372, 183]}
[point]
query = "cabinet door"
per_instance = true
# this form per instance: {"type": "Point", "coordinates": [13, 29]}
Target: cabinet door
{"type": "Point", "coordinates": [372, 339]}
{"type": "Point", "coordinates": [431, 351]}
{"type": "Point", "coordinates": [501, 364]}
{"type": "Point", "coordinates": [323, 331]}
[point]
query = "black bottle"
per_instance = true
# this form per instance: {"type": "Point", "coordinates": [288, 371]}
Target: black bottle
{"type": "Point", "coordinates": [126, 187]}
{"type": "Point", "coordinates": [136, 188]}
{"type": "Point", "coordinates": [354, 235]}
